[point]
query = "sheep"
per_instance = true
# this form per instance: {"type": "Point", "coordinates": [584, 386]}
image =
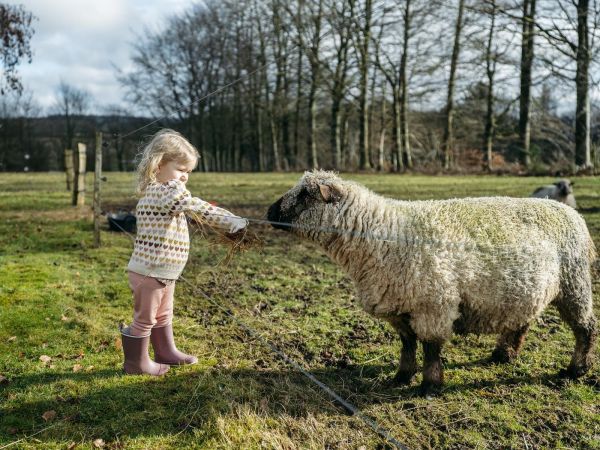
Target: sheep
{"type": "Point", "coordinates": [438, 267]}
{"type": "Point", "coordinates": [561, 191]}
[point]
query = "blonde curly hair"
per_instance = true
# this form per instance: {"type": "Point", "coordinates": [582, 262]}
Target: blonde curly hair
{"type": "Point", "coordinates": [165, 146]}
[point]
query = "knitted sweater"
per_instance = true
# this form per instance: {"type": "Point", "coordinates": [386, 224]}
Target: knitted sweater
{"type": "Point", "coordinates": [162, 242]}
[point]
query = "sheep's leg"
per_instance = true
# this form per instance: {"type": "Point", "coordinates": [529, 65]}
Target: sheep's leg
{"type": "Point", "coordinates": [583, 324]}
{"type": "Point", "coordinates": [509, 344]}
{"type": "Point", "coordinates": [408, 356]}
{"type": "Point", "coordinates": [576, 308]}
{"type": "Point", "coordinates": [433, 374]}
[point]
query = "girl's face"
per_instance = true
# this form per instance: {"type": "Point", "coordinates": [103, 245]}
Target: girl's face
{"type": "Point", "coordinates": [174, 170]}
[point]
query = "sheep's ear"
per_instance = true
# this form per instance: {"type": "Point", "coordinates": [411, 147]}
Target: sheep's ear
{"type": "Point", "coordinates": [329, 193]}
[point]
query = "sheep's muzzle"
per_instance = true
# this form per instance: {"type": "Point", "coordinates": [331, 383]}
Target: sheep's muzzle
{"type": "Point", "coordinates": [275, 217]}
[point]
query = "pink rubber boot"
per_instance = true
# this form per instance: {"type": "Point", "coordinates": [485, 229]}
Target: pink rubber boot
{"type": "Point", "coordinates": [137, 360]}
{"type": "Point", "coordinates": [165, 351]}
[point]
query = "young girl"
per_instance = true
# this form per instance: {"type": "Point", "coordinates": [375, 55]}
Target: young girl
{"type": "Point", "coordinates": [161, 250]}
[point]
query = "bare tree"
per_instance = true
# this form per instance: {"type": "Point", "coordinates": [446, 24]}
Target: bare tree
{"type": "Point", "coordinates": [70, 103]}
{"type": "Point", "coordinates": [309, 38]}
{"type": "Point", "coordinates": [490, 70]}
{"type": "Point", "coordinates": [583, 157]}
{"type": "Point", "coordinates": [527, 55]}
{"type": "Point", "coordinates": [337, 72]}
{"type": "Point", "coordinates": [448, 130]}
{"type": "Point", "coordinates": [405, 137]}
{"type": "Point", "coordinates": [497, 46]}
{"type": "Point", "coordinates": [568, 33]}
{"type": "Point", "coordinates": [362, 40]}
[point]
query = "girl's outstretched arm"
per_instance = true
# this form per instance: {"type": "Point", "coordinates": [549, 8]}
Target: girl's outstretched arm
{"type": "Point", "coordinates": [177, 199]}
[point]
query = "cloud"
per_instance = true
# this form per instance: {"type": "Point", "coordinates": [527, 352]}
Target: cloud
{"type": "Point", "coordinates": [81, 43]}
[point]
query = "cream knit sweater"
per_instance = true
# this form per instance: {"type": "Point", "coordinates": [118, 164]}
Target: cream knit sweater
{"type": "Point", "coordinates": [162, 242]}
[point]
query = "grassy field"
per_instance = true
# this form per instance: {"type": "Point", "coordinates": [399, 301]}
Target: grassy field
{"type": "Point", "coordinates": [61, 300]}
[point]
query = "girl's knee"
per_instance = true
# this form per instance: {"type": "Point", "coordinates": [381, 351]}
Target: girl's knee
{"type": "Point", "coordinates": [164, 321]}
{"type": "Point", "coordinates": [140, 328]}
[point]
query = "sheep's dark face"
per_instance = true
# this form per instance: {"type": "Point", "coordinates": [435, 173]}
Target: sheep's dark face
{"type": "Point", "coordinates": [564, 187]}
{"type": "Point", "coordinates": [306, 209]}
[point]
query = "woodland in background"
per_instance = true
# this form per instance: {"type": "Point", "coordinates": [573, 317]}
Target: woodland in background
{"type": "Point", "coordinates": [455, 85]}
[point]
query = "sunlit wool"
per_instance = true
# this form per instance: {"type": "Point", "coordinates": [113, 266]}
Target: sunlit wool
{"type": "Point", "coordinates": [482, 265]}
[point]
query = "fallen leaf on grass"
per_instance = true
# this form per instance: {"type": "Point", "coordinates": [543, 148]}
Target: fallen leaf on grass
{"type": "Point", "coordinates": [77, 367]}
{"type": "Point", "coordinates": [49, 415]}
{"type": "Point", "coordinates": [89, 368]}
{"type": "Point", "coordinates": [99, 443]}
{"type": "Point", "coordinates": [12, 339]}
{"type": "Point", "coordinates": [72, 445]}
{"type": "Point", "coordinates": [64, 318]}
{"type": "Point", "coordinates": [118, 343]}
{"type": "Point", "coordinates": [45, 359]}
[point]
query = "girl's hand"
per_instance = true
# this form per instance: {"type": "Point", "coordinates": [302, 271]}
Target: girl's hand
{"type": "Point", "coordinates": [238, 224]}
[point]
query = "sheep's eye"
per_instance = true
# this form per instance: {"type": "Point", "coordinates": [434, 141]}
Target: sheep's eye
{"type": "Point", "coordinates": [303, 195]}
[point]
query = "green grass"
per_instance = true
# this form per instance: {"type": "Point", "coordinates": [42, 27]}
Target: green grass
{"type": "Point", "coordinates": [62, 298]}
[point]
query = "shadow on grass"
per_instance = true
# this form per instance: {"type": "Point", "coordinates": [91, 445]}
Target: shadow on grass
{"type": "Point", "coordinates": [592, 210]}
{"type": "Point", "coordinates": [106, 404]}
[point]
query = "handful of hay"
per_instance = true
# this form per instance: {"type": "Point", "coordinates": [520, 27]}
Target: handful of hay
{"type": "Point", "coordinates": [238, 242]}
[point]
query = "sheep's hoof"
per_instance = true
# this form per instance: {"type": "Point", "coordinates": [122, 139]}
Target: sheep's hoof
{"type": "Point", "coordinates": [502, 356]}
{"type": "Point", "coordinates": [429, 389]}
{"type": "Point", "coordinates": [573, 372]}
{"type": "Point", "coordinates": [403, 378]}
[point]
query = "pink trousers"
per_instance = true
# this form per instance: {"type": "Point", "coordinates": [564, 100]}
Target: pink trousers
{"type": "Point", "coordinates": [152, 304]}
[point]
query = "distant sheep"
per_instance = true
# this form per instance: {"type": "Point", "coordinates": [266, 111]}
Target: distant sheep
{"type": "Point", "coordinates": [561, 191]}
{"type": "Point", "coordinates": [434, 268]}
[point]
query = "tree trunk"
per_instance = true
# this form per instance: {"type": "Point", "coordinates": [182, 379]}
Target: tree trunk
{"type": "Point", "coordinates": [313, 55]}
{"type": "Point", "coordinates": [448, 130]}
{"type": "Point", "coordinates": [259, 131]}
{"type": "Point", "coordinates": [405, 137]}
{"type": "Point", "coordinates": [370, 119]}
{"type": "Point", "coordinates": [582, 115]}
{"type": "Point", "coordinates": [526, 67]}
{"type": "Point", "coordinates": [285, 125]}
{"type": "Point", "coordinates": [397, 160]}
{"type": "Point", "coordinates": [312, 145]}
{"type": "Point", "coordinates": [339, 86]}
{"type": "Point", "coordinates": [381, 152]}
{"type": "Point", "coordinates": [363, 107]}
{"type": "Point", "coordinates": [296, 148]}
{"type": "Point", "coordinates": [334, 133]}
{"type": "Point", "coordinates": [490, 62]}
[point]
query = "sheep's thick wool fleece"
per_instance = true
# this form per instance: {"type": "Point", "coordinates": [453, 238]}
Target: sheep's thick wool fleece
{"type": "Point", "coordinates": [482, 265]}
{"type": "Point", "coordinates": [162, 242]}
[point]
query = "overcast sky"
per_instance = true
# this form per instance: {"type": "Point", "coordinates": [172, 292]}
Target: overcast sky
{"type": "Point", "coordinates": [80, 42]}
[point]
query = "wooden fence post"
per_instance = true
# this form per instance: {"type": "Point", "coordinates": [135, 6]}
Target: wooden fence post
{"type": "Point", "coordinates": [69, 171]}
{"type": "Point", "coordinates": [97, 179]}
{"type": "Point", "coordinates": [79, 184]}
